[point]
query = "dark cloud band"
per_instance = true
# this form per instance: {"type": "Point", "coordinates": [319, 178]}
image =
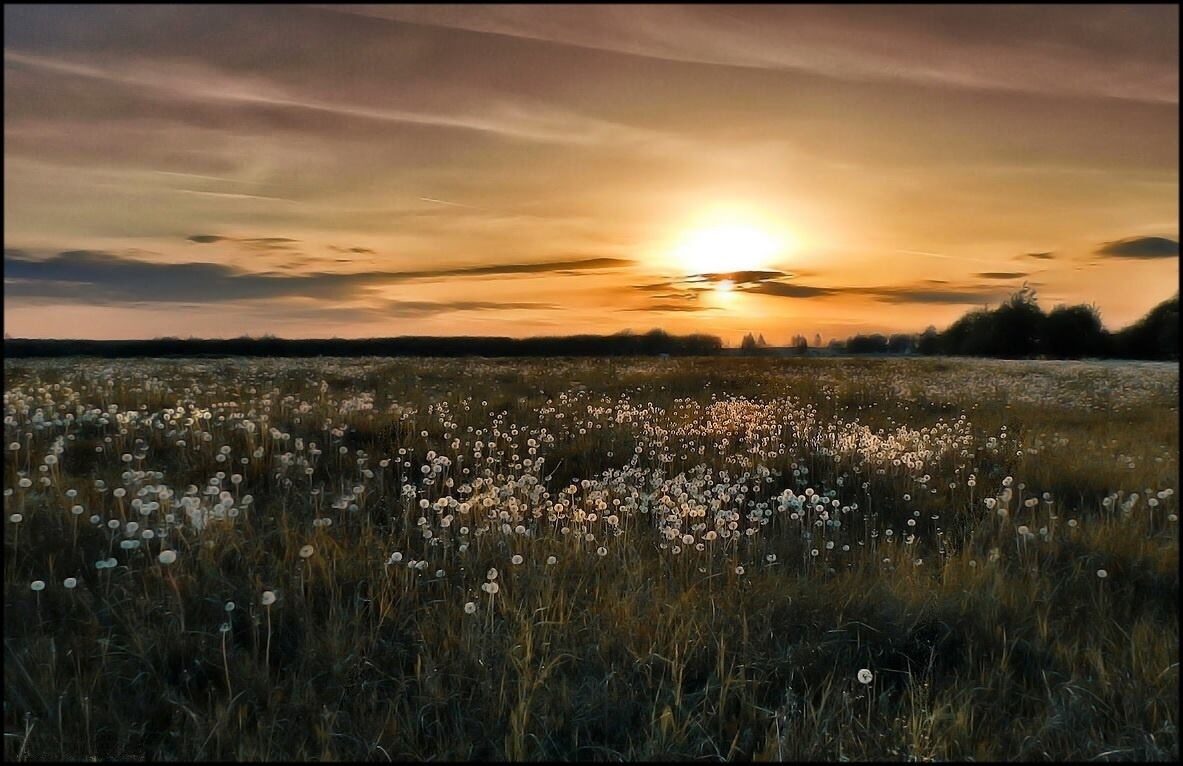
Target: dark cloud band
{"type": "Point", "coordinates": [1141, 247]}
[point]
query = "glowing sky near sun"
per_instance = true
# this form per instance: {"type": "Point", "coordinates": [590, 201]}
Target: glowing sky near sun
{"type": "Point", "coordinates": [521, 170]}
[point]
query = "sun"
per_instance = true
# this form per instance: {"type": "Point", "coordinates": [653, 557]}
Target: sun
{"type": "Point", "coordinates": [725, 247]}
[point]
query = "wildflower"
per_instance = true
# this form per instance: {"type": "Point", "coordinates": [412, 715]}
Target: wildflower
{"type": "Point", "coordinates": [1102, 574]}
{"type": "Point", "coordinates": [865, 676]}
{"type": "Point", "coordinates": [492, 574]}
{"type": "Point", "coordinates": [16, 518]}
{"type": "Point", "coordinates": [307, 551]}
{"type": "Point", "coordinates": [602, 551]}
{"type": "Point", "coordinates": [268, 598]}
{"type": "Point", "coordinates": [70, 583]}
{"type": "Point", "coordinates": [470, 607]}
{"type": "Point", "coordinates": [516, 560]}
{"type": "Point", "coordinates": [37, 585]}
{"type": "Point", "coordinates": [551, 560]}
{"type": "Point", "coordinates": [229, 606]}
{"type": "Point", "coordinates": [739, 570]}
{"type": "Point", "coordinates": [167, 557]}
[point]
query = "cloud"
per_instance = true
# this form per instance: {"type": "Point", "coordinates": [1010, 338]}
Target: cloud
{"type": "Point", "coordinates": [926, 291]}
{"type": "Point", "coordinates": [672, 307]}
{"type": "Point", "coordinates": [1095, 51]}
{"type": "Point", "coordinates": [98, 277]}
{"type": "Point", "coordinates": [688, 285]}
{"type": "Point", "coordinates": [523, 268]}
{"type": "Point", "coordinates": [960, 296]}
{"type": "Point", "coordinates": [775, 284]}
{"type": "Point", "coordinates": [786, 290]}
{"type": "Point", "coordinates": [1141, 247]}
{"type": "Point", "coordinates": [1045, 256]}
{"type": "Point", "coordinates": [739, 278]}
{"type": "Point", "coordinates": [170, 82]}
{"type": "Point", "coordinates": [1001, 274]}
{"type": "Point", "coordinates": [253, 243]}
{"type": "Point", "coordinates": [415, 309]}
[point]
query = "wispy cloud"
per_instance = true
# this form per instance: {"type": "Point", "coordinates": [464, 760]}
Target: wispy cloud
{"type": "Point", "coordinates": [252, 243]}
{"type": "Point", "coordinates": [1081, 51]}
{"type": "Point", "coordinates": [99, 277]}
{"type": "Point", "coordinates": [678, 307]}
{"type": "Point", "coordinates": [776, 284]}
{"type": "Point", "coordinates": [1141, 247]}
{"type": "Point", "coordinates": [1001, 274]}
{"type": "Point", "coordinates": [789, 290]}
{"type": "Point", "coordinates": [519, 119]}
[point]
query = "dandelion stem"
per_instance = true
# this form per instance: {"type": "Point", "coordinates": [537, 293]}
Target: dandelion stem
{"type": "Point", "coordinates": [267, 651]}
{"type": "Point", "coordinates": [226, 666]}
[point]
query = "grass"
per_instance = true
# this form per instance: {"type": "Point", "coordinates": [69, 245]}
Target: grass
{"type": "Point", "coordinates": [983, 642]}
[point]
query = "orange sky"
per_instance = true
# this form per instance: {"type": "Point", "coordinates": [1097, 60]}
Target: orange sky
{"type": "Point", "coordinates": [525, 170]}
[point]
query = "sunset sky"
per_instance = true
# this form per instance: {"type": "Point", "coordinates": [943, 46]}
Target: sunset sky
{"type": "Point", "coordinates": [361, 171]}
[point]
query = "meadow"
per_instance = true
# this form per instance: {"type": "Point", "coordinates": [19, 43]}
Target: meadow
{"type": "Point", "coordinates": [594, 559]}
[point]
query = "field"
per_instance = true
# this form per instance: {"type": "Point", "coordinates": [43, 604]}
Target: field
{"type": "Point", "coordinates": [748, 559]}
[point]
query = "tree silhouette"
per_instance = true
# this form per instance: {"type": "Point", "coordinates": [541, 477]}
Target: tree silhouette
{"type": "Point", "coordinates": [1072, 332]}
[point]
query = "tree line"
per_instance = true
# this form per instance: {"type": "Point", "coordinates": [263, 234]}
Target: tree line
{"type": "Point", "coordinates": [1019, 329]}
{"type": "Point", "coordinates": [653, 343]}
